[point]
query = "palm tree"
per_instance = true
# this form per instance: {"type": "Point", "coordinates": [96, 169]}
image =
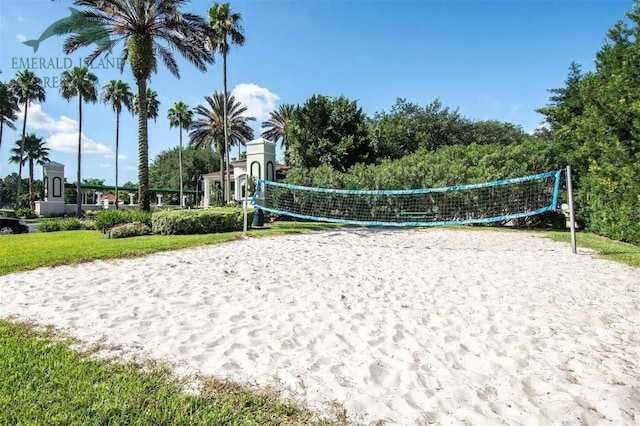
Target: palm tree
{"type": "Point", "coordinates": [34, 152]}
{"type": "Point", "coordinates": [81, 83]}
{"type": "Point", "coordinates": [180, 116]}
{"type": "Point", "coordinates": [8, 108]}
{"type": "Point", "coordinates": [153, 104]}
{"type": "Point", "coordinates": [27, 87]}
{"type": "Point", "coordinates": [225, 25]}
{"type": "Point", "coordinates": [209, 127]}
{"type": "Point", "coordinates": [118, 94]}
{"type": "Point", "coordinates": [147, 29]}
{"type": "Point", "coordinates": [277, 126]}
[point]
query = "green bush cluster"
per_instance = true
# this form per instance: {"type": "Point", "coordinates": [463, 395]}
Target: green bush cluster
{"type": "Point", "coordinates": [26, 213]}
{"type": "Point", "coordinates": [107, 219]}
{"type": "Point", "coordinates": [7, 213]}
{"type": "Point", "coordinates": [125, 230]}
{"type": "Point", "coordinates": [66, 224]}
{"type": "Point", "coordinates": [183, 222]}
{"type": "Point", "coordinates": [447, 166]}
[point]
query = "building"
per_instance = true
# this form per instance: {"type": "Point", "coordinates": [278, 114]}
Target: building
{"type": "Point", "coordinates": [259, 163]}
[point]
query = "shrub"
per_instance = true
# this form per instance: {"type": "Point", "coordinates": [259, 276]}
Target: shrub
{"type": "Point", "coordinates": [125, 230]}
{"type": "Point", "coordinates": [66, 224]}
{"type": "Point", "coordinates": [51, 226]}
{"type": "Point", "coordinates": [71, 224]}
{"type": "Point", "coordinates": [26, 213]}
{"type": "Point", "coordinates": [182, 222]}
{"type": "Point", "coordinates": [7, 213]}
{"type": "Point", "coordinates": [107, 219]}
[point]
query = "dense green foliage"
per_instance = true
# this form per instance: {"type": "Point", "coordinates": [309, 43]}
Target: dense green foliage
{"type": "Point", "coordinates": [195, 163]}
{"type": "Point", "coordinates": [596, 121]}
{"type": "Point", "coordinates": [183, 222]}
{"type": "Point", "coordinates": [328, 131]}
{"type": "Point", "coordinates": [407, 128]}
{"type": "Point", "coordinates": [450, 165]}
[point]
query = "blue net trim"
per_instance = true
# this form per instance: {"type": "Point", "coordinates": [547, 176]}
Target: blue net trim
{"type": "Point", "coordinates": [489, 202]}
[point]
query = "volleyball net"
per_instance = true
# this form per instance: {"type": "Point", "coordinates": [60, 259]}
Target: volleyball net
{"type": "Point", "coordinates": [490, 202]}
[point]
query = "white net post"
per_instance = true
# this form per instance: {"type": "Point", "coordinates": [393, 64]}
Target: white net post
{"type": "Point", "coordinates": [572, 215]}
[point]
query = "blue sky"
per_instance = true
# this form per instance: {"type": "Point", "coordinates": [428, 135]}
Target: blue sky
{"type": "Point", "coordinates": [494, 60]}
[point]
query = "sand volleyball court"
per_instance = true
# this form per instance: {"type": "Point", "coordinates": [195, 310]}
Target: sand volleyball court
{"type": "Point", "coordinates": [409, 327]}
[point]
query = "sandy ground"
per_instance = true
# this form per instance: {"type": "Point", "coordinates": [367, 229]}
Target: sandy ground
{"type": "Point", "coordinates": [427, 326]}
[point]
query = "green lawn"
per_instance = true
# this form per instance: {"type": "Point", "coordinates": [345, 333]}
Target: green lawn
{"type": "Point", "coordinates": [28, 251]}
{"type": "Point", "coordinates": [44, 382]}
{"type": "Point", "coordinates": [608, 249]}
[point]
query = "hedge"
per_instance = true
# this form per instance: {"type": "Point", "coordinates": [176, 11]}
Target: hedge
{"type": "Point", "coordinates": [209, 221]}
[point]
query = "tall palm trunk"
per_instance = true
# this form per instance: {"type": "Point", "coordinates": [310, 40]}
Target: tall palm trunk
{"type": "Point", "coordinates": [143, 147]}
{"type": "Point", "coordinates": [117, 146]}
{"type": "Point", "coordinates": [222, 176]}
{"type": "Point", "coordinates": [180, 161]}
{"type": "Point", "coordinates": [24, 132]}
{"type": "Point", "coordinates": [78, 186]}
{"type": "Point", "coordinates": [32, 201]}
{"type": "Point", "coordinates": [227, 188]}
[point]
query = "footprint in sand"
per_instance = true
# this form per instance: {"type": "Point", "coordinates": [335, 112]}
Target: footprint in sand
{"type": "Point", "coordinates": [378, 372]}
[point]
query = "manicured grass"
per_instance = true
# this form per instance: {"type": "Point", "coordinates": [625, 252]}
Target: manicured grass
{"type": "Point", "coordinates": [44, 382]}
{"type": "Point", "coordinates": [608, 249]}
{"type": "Point", "coordinates": [28, 251]}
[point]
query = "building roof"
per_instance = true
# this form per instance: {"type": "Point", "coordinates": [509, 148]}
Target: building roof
{"type": "Point", "coordinates": [110, 197]}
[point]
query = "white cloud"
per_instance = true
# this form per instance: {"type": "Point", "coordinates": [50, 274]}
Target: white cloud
{"type": "Point", "coordinates": [40, 120]}
{"type": "Point", "coordinates": [258, 100]}
{"type": "Point", "coordinates": [21, 37]}
{"type": "Point", "coordinates": [63, 132]}
{"type": "Point", "coordinates": [68, 142]}
{"type": "Point", "coordinates": [113, 156]}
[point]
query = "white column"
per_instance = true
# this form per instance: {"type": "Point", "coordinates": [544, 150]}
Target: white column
{"type": "Point", "coordinates": [159, 199]}
{"type": "Point", "coordinates": [131, 194]}
{"type": "Point", "coordinates": [98, 194]}
{"type": "Point", "coordinates": [205, 193]}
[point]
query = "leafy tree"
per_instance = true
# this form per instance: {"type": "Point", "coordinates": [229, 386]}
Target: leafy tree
{"type": "Point", "coordinates": [196, 162]}
{"type": "Point", "coordinates": [153, 104]}
{"type": "Point", "coordinates": [494, 132]}
{"type": "Point", "coordinates": [8, 108]}
{"type": "Point", "coordinates": [33, 152]}
{"type": "Point", "coordinates": [81, 83]}
{"type": "Point", "coordinates": [596, 119]}
{"type": "Point", "coordinates": [226, 30]}
{"type": "Point", "coordinates": [117, 94]}
{"type": "Point", "coordinates": [148, 29]}
{"type": "Point", "coordinates": [208, 128]}
{"type": "Point", "coordinates": [180, 116]}
{"type": "Point", "coordinates": [277, 126]}
{"type": "Point", "coordinates": [328, 131]}
{"type": "Point", "coordinates": [566, 104]}
{"type": "Point", "coordinates": [409, 127]}
{"type": "Point", "coordinates": [27, 87]}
